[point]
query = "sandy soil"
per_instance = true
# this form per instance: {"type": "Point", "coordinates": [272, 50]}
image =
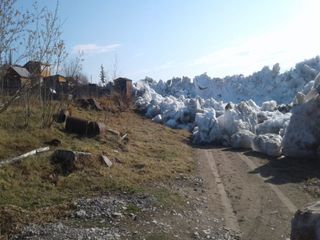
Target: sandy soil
{"type": "Point", "coordinates": [257, 196]}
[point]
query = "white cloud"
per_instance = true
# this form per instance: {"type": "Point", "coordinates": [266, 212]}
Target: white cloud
{"type": "Point", "coordinates": [94, 48]}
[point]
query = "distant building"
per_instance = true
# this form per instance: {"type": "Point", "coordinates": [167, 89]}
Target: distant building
{"type": "Point", "coordinates": [58, 83]}
{"type": "Point", "coordinates": [72, 81]}
{"type": "Point", "coordinates": [38, 70]}
{"type": "Point", "coordinates": [38, 75]}
{"type": "Point", "coordinates": [14, 78]}
{"type": "Point", "coordinates": [87, 90]}
{"type": "Point", "coordinates": [123, 86]}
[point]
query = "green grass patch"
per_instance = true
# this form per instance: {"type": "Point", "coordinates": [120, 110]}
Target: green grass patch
{"type": "Point", "coordinates": [153, 154]}
{"type": "Point", "coordinates": [132, 208]}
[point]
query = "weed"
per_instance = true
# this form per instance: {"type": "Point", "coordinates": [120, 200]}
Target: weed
{"type": "Point", "coordinates": [132, 208]}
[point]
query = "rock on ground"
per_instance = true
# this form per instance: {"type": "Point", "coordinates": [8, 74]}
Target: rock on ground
{"type": "Point", "coordinates": [58, 231]}
{"type": "Point", "coordinates": [306, 223]}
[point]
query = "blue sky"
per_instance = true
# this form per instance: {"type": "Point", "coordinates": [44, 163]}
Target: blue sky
{"type": "Point", "coordinates": [166, 38]}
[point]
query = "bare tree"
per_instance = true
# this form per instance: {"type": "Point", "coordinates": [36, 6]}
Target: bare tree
{"type": "Point", "coordinates": [73, 67]}
{"type": "Point", "coordinates": [45, 42]}
{"type": "Point", "coordinates": [39, 32]}
{"type": "Point", "coordinates": [12, 35]}
{"type": "Point", "coordinates": [115, 67]}
{"type": "Point", "coordinates": [45, 45]}
{"type": "Point", "coordinates": [82, 78]}
{"type": "Point", "coordinates": [13, 24]}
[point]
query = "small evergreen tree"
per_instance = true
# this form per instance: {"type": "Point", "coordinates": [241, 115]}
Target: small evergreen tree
{"type": "Point", "coordinates": [103, 78]}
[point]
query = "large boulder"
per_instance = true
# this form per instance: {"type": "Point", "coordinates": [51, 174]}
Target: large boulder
{"type": "Point", "coordinates": [302, 137]}
{"type": "Point", "coordinates": [269, 144]}
{"type": "Point", "coordinates": [305, 224]}
{"type": "Point", "coordinates": [67, 161]}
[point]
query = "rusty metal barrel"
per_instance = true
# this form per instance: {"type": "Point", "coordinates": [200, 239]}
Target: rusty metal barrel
{"type": "Point", "coordinates": [62, 116]}
{"type": "Point", "coordinates": [84, 127]}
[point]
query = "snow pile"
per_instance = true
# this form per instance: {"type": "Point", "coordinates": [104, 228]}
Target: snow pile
{"type": "Point", "coordinates": [242, 117]}
{"type": "Point", "coordinates": [211, 121]}
{"type": "Point", "coordinates": [211, 128]}
{"type": "Point", "coordinates": [269, 129]}
{"type": "Point", "coordinates": [269, 106]}
{"type": "Point", "coordinates": [302, 137]}
{"type": "Point", "coordinates": [265, 85]}
{"type": "Point", "coordinates": [242, 139]}
{"type": "Point", "coordinates": [274, 122]}
{"type": "Point", "coordinates": [261, 86]}
{"type": "Point", "coordinates": [173, 112]}
{"type": "Point", "coordinates": [206, 130]}
{"type": "Point", "coordinates": [269, 144]}
{"type": "Point", "coordinates": [174, 87]}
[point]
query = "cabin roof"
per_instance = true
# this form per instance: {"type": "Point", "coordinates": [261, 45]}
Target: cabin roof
{"type": "Point", "coordinates": [59, 77]}
{"type": "Point", "coordinates": [120, 79]}
{"type": "Point", "coordinates": [22, 72]}
{"type": "Point", "coordinates": [36, 62]}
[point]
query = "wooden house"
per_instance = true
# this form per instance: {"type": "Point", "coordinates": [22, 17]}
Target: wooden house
{"type": "Point", "coordinates": [14, 78]}
{"type": "Point", "coordinates": [38, 69]}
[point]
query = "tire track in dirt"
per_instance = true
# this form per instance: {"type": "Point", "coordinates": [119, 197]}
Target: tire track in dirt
{"type": "Point", "coordinates": [283, 198]}
{"type": "Point", "coordinates": [247, 198]}
{"type": "Point", "coordinates": [229, 216]}
{"type": "Point", "coordinates": [251, 194]}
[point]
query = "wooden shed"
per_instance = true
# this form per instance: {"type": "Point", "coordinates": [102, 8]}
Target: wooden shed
{"type": "Point", "coordinates": [123, 86]}
{"type": "Point", "coordinates": [15, 77]}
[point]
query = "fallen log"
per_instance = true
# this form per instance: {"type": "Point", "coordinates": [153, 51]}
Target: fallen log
{"type": "Point", "coordinates": [114, 132]}
{"type": "Point", "coordinates": [25, 155]}
{"type": "Point", "coordinates": [125, 136]}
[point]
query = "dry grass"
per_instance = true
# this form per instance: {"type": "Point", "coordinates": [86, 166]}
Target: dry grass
{"type": "Point", "coordinates": [154, 153]}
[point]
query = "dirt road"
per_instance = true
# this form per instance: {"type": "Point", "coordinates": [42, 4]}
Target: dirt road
{"type": "Point", "coordinates": [257, 196]}
{"type": "Point", "coordinates": [233, 195]}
